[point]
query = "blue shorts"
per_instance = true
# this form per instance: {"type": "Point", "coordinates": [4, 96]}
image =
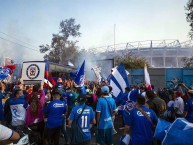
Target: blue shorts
{"type": "Point", "coordinates": [104, 136]}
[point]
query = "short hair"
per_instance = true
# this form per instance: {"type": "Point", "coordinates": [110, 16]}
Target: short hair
{"type": "Point", "coordinates": [141, 100]}
{"type": "Point", "coordinates": [16, 92]}
{"type": "Point", "coordinates": [98, 92]}
{"type": "Point", "coordinates": [82, 98]}
{"type": "Point", "coordinates": [127, 89]}
{"type": "Point", "coordinates": [105, 94]}
{"type": "Point", "coordinates": [150, 94]}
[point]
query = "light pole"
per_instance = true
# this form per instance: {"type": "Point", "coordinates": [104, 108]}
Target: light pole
{"type": "Point", "coordinates": [114, 36]}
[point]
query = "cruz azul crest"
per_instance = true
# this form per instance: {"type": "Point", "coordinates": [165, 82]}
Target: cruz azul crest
{"type": "Point", "coordinates": [33, 71]}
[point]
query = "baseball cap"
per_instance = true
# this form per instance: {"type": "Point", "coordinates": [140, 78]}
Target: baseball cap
{"type": "Point", "coordinates": [105, 89]}
{"type": "Point", "coordinates": [178, 93]}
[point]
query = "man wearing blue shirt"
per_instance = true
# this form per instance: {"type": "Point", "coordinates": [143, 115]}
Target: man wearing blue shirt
{"type": "Point", "coordinates": [105, 108]}
{"type": "Point", "coordinates": [188, 107]}
{"type": "Point", "coordinates": [84, 120]}
{"type": "Point", "coordinates": [54, 111]}
{"type": "Point", "coordinates": [139, 125]}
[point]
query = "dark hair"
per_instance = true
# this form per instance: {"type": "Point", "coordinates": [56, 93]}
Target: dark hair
{"type": "Point", "coordinates": [82, 98]}
{"type": "Point", "coordinates": [35, 88]}
{"type": "Point", "coordinates": [57, 91]}
{"type": "Point", "coordinates": [171, 92]}
{"type": "Point", "coordinates": [34, 103]}
{"type": "Point", "coordinates": [141, 100]}
{"type": "Point", "coordinates": [105, 94]}
{"type": "Point", "coordinates": [110, 88]}
{"type": "Point", "coordinates": [150, 94]}
{"type": "Point", "coordinates": [98, 92]}
{"type": "Point", "coordinates": [127, 89]}
{"type": "Point", "coordinates": [16, 92]}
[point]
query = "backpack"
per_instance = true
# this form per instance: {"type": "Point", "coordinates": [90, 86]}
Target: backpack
{"type": "Point", "coordinates": [160, 107]}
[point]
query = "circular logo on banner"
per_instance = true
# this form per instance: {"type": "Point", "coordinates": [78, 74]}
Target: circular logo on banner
{"type": "Point", "coordinates": [33, 71]}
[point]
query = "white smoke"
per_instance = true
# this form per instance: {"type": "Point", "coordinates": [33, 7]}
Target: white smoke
{"type": "Point", "coordinates": [92, 61]}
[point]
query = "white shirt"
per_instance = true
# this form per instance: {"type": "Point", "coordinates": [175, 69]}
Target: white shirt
{"type": "Point", "coordinates": [170, 103]}
{"type": "Point", "coordinates": [18, 114]}
{"type": "Point", "coordinates": [179, 103]}
{"type": "Point", "coordinates": [5, 133]}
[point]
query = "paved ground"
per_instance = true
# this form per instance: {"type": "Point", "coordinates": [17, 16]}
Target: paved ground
{"type": "Point", "coordinates": [116, 137]}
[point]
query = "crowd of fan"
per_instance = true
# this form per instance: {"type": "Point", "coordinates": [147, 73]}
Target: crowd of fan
{"type": "Point", "coordinates": [49, 110]}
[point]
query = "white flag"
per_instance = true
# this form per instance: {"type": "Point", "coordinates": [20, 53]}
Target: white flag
{"type": "Point", "coordinates": [147, 78]}
{"type": "Point", "coordinates": [8, 61]}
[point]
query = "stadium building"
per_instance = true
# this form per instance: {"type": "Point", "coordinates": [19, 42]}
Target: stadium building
{"type": "Point", "coordinates": [159, 53]}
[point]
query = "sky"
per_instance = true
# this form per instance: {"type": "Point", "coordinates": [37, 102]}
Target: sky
{"type": "Point", "coordinates": [31, 23]}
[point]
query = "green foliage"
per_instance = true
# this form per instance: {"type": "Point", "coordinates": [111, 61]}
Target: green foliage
{"type": "Point", "coordinates": [189, 16]}
{"type": "Point", "coordinates": [130, 61]}
{"type": "Point", "coordinates": [188, 62]}
{"type": "Point", "coordinates": [62, 48]}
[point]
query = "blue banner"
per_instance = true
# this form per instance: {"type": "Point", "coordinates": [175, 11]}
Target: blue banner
{"type": "Point", "coordinates": [4, 73]}
{"type": "Point", "coordinates": [179, 133]}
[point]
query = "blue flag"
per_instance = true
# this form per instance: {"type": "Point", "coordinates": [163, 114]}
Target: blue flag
{"type": "Point", "coordinates": [119, 80]}
{"type": "Point", "coordinates": [179, 133]}
{"type": "Point", "coordinates": [161, 129]}
{"type": "Point", "coordinates": [79, 80]}
{"type": "Point", "coordinates": [4, 73]}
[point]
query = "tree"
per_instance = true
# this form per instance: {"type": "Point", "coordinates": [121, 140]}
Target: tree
{"type": "Point", "coordinates": [188, 62]}
{"type": "Point", "coordinates": [131, 61]}
{"type": "Point", "coordinates": [189, 16]}
{"type": "Point", "coordinates": [62, 48]}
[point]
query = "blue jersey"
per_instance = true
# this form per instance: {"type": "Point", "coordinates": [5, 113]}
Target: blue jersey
{"type": "Point", "coordinates": [84, 120]}
{"type": "Point", "coordinates": [105, 121]}
{"type": "Point", "coordinates": [189, 109]}
{"type": "Point", "coordinates": [142, 133]}
{"type": "Point", "coordinates": [55, 109]}
{"type": "Point", "coordinates": [69, 96]}
{"type": "Point", "coordinates": [1, 106]}
{"type": "Point", "coordinates": [18, 110]}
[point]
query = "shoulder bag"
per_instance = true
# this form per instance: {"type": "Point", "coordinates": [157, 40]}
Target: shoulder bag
{"type": "Point", "coordinates": [77, 136]}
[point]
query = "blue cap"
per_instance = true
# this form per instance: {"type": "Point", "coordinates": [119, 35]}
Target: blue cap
{"type": "Point", "coordinates": [105, 89]}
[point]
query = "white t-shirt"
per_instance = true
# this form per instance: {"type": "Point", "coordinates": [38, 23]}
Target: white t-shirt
{"type": "Point", "coordinates": [179, 103]}
{"type": "Point", "coordinates": [170, 103]}
{"type": "Point", "coordinates": [18, 114]}
{"type": "Point", "coordinates": [5, 133]}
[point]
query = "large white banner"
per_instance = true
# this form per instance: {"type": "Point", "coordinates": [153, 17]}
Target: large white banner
{"type": "Point", "coordinates": [33, 71]}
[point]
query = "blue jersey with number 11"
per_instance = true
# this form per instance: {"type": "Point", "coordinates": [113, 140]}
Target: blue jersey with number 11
{"type": "Point", "coordinates": [84, 120]}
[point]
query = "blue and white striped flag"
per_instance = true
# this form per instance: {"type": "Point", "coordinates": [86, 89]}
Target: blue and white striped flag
{"type": "Point", "coordinates": [179, 133]}
{"type": "Point", "coordinates": [119, 80]}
